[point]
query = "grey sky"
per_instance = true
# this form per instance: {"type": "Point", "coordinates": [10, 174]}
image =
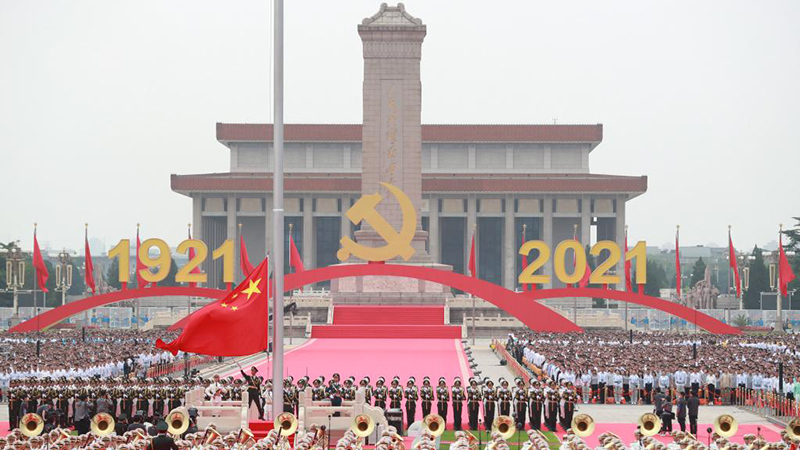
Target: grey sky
{"type": "Point", "coordinates": [100, 100]}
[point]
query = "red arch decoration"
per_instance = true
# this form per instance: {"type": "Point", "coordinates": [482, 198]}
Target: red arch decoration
{"type": "Point", "coordinates": [522, 305]}
{"type": "Point", "coordinates": [55, 315]}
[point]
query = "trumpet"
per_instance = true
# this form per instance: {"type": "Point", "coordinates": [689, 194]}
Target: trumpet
{"type": "Point", "coordinates": [793, 428]}
{"type": "Point", "coordinates": [649, 424]}
{"type": "Point", "coordinates": [178, 421]}
{"type": "Point", "coordinates": [582, 425]}
{"type": "Point", "coordinates": [363, 425]}
{"type": "Point", "coordinates": [31, 424]}
{"type": "Point", "coordinates": [434, 424]}
{"type": "Point", "coordinates": [725, 425]}
{"type": "Point", "coordinates": [504, 426]}
{"type": "Point", "coordinates": [102, 424]}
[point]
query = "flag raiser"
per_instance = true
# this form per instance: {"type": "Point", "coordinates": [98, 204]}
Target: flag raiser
{"type": "Point", "coordinates": [233, 326]}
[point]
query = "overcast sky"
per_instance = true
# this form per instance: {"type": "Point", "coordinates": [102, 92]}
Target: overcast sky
{"type": "Point", "coordinates": [101, 100]}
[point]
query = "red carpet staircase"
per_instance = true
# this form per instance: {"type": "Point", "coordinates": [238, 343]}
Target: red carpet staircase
{"type": "Point", "coordinates": [371, 322]}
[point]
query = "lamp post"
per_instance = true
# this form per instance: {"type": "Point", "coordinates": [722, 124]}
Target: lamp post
{"type": "Point", "coordinates": [15, 273]}
{"type": "Point", "coordinates": [774, 284]}
{"type": "Point", "coordinates": [63, 275]}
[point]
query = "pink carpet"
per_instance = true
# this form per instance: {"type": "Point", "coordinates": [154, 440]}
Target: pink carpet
{"type": "Point", "coordinates": [625, 431]}
{"type": "Point", "coordinates": [375, 358]}
{"type": "Point", "coordinates": [4, 429]}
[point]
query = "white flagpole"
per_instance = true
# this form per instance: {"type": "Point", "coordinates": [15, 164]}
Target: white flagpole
{"type": "Point", "coordinates": [277, 214]}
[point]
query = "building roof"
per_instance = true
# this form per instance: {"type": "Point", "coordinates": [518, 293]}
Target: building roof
{"type": "Point", "coordinates": [431, 183]}
{"type": "Point", "coordinates": [250, 132]}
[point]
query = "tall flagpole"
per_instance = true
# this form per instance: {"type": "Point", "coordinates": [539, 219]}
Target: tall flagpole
{"type": "Point", "coordinates": [277, 214]}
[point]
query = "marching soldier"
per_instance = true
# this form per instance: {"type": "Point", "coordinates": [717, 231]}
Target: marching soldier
{"type": "Point", "coordinates": [381, 393]}
{"type": "Point", "coordinates": [412, 394]}
{"type": "Point", "coordinates": [458, 403]}
{"type": "Point", "coordinates": [364, 383]}
{"type": "Point", "coordinates": [426, 395]}
{"type": "Point", "coordinates": [489, 397]}
{"type": "Point", "coordinates": [395, 394]}
{"type": "Point", "coordinates": [504, 395]}
{"type": "Point", "coordinates": [474, 403]}
{"type": "Point", "coordinates": [520, 403]}
{"type": "Point", "coordinates": [442, 398]}
{"type": "Point", "coordinates": [536, 397]}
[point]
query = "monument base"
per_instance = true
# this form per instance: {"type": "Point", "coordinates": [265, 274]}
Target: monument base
{"type": "Point", "coordinates": [379, 290]}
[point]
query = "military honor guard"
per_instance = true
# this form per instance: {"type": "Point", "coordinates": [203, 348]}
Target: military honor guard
{"type": "Point", "coordinates": [489, 395]}
{"type": "Point", "coordinates": [551, 405]}
{"type": "Point", "coordinates": [254, 390]}
{"type": "Point", "coordinates": [289, 395]}
{"type": "Point", "coordinates": [318, 389]}
{"type": "Point", "coordinates": [381, 393]}
{"type": "Point", "coordinates": [520, 403]}
{"type": "Point", "coordinates": [412, 395]}
{"type": "Point", "coordinates": [504, 395]}
{"type": "Point", "coordinates": [349, 389]}
{"type": "Point", "coordinates": [458, 402]}
{"type": "Point", "coordinates": [442, 398]}
{"type": "Point", "coordinates": [395, 394]}
{"type": "Point", "coordinates": [426, 396]}
{"type": "Point", "coordinates": [474, 397]}
{"type": "Point", "coordinates": [364, 383]}
{"type": "Point", "coordinates": [536, 399]}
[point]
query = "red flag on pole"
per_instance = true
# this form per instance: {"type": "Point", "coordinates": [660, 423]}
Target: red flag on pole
{"type": "Point", "coordinates": [244, 260]}
{"type": "Point", "coordinates": [678, 261]}
{"type": "Point", "coordinates": [233, 326]}
{"type": "Point", "coordinates": [785, 274]}
{"type": "Point", "coordinates": [140, 282]}
{"type": "Point", "coordinates": [473, 270]}
{"type": "Point", "coordinates": [38, 263]}
{"type": "Point", "coordinates": [88, 274]}
{"type": "Point", "coordinates": [628, 282]}
{"type": "Point", "coordinates": [734, 263]}
{"type": "Point", "coordinates": [294, 257]}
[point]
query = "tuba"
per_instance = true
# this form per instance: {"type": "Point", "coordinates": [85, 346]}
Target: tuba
{"type": "Point", "coordinates": [177, 421]}
{"type": "Point", "coordinates": [504, 426]}
{"type": "Point", "coordinates": [649, 424]}
{"type": "Point", "coordinates": [725, 425]}
{"type": "Point", "coordinates": [31, 424]}
{"type": "Point", "coordinates": [244, 437]}
{"type": "Point", "coordinates": [793, 428]}
{"type": "Point", "coordinates": [286, 424]}
{"type": "Point", "coordinates": [363, 425]}
{"type": "Point", "coordinates": [102, 424]}
{"type": "Point", "coordinates": [434, 424]}
{"type": "Point", "coordinates": [582, 425]}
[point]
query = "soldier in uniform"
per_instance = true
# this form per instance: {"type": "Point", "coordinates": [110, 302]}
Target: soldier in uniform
{"type": "Point", "coordinates": [142, 404]}
{"type": "Point", "coordinates": [551, 407]}
{"type": "Point", "coordinates": [489, 397]}
{"type": "Point", "coordinates": [569, 397]}
{"type": "Point", "coordinates": [175, 398]}
{"type": "Point", "coordinates": [412, 394]}
{"type": "Point", "coordinates": [14, 404]}
{"type": "Point", "coordinates": [426, 395]}
{"type": "Point", "coordinates": [318, 391]}
{"type": "Point", "coordinates": [473, 403]}
{"type": "Point", "coordinates": [395, 394]}
{"type": "Point", "coordinates": [442, 398]}
{"type": "Point", "coordinates": [536, 397]}
{"type": "Point", "coordinates": [349, 391]}
{"type": "Point", "coordinates": [381, 393]}
{"type": "Point", "coordinates": [254, 391]}
{"type": "Point", "coordinates": [458, 403]}
{"type": "Point", "coordinates": [364, 383]}
{"type": "Point", "coordinates": [520, 403]}
{"type": "Point", "coordinates": [62, 405]}
{"type": "Point", "coordinates": [289, 395]}
{"type": "Point", "coordinates": [333, 385]}
{"type": "Point", "coordinates": [504, 395]}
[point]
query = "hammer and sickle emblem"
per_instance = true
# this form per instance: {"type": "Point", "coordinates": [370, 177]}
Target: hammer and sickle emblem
{"type": "Point", "coordinates": [397, 244]}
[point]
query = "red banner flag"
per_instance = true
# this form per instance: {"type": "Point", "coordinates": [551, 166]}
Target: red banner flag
{"type": "Point", "coordinates": [244, 260]}
{"type": "Point", "coordinates": [294, 257]}
{"type": "Point", "coordinates": [38, 263]}
{"type": "Point", "coordinates": [140, 282]}
{"type": "Point", "coordinates": [734, 264]}
{"type": "Point", "coordinates": [473, 270]}
{"type": "Point", "coordinates": [785, 274]}
{"type": "Point", "coordinates": [677, 262]}
{"type": "Point", "coordinates": [88, 273]}
{"type": "Point", "coordinates": [233, 326]}
{"type": "Point", "coordinates": [628, 283]}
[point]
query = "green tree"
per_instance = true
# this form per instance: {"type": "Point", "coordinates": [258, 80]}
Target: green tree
{"type": "Point", "coordinates": [758, 282]}
{"type": "Point", "coordinates": [78, 286]}
{"type": "Point", "coordinates": [698, 272]}
{"type": "Point", "coordinates": [170, 280]}
{"type": "Point", "coordinates": [112, 276]}
{"type": "Point", "coordinates": [794, 246]}
{"type": "Point", "coordinates": [656, 279]}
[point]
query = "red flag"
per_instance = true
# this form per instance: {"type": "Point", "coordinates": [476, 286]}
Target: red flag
{"type": "Point", "coordinates": [473, 271]}
{"type": "Point", "coordinates": [140, 282]}
{"type": "Point", "coordinates": [89, 272]}
{"type": "Point", "coordinates": [677, 263]}
{"type": "Point", "coordinates": [233, 326]}
{"type": "Point", "coordinates": [191, 257]}
{"type": "Point", "coordinates": [628, 285]}
{"type": "Point", "coordinates": [294, 257]}
{"type": "Point", "coordinates": [38, 264]}
{"type": "Point", "coordinates": [734, 264]}
{"type": "Point", "coordinates": [785, 274]}
{"type": "Point", "coordinates": [244, 260]}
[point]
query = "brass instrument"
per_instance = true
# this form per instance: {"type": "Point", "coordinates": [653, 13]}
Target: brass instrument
{"type": "Point", "coordinates": [793, 428]}
{"type": "Point", "coordinates": [363, 425]}
{"type": "Point", "coordinates": [31, 424]}
{"type": "Point", "coordinates": [136, 436]}
{"type": "Point", "coordinates": [177, 421]}
{"type": "Point", "coordinates": [210, 436]}
{"type": "Point", "coordinates": [286, 424]}
{"type": "Point", "coordinates": [725, 425]}
{"type": "Point", "coordinates": [102, 424]}
{"type": "Point", "coordinates": [582, 425]}
{"type": "Point", "coordinates": [434, 424]}
{"type": "Point", "coordinates": [649, 424]}
{"type": "Point", "coordinates": [245, 436]}
{"type": "Point", "coordinates": [504, 426]}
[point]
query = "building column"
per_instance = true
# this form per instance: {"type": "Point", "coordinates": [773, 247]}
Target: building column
{"type": "Point", "coordinates": [472, 221]}
{"type": "Point", "coordinates": [509, 252]}
{"type": "Point", "coordinates": [547, 236]}
{"type": "Point", "coordinates": [433, 229]}
{"type": "Point", "coordinates": [619, 235]}
{"type": "Point", "coordinates": [586, 221]}
{"type": "Point", "coordinates": [231, 212]}
{"type": "Point", "coordinates": [308, 232]}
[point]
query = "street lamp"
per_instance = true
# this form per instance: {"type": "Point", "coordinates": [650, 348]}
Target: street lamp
{"type": "Point", "coordinates": [63, 275]}
{"type": "Point", "coordinates": [773, 258]}
{"type": "Point", "coordinates": [15, 273]}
